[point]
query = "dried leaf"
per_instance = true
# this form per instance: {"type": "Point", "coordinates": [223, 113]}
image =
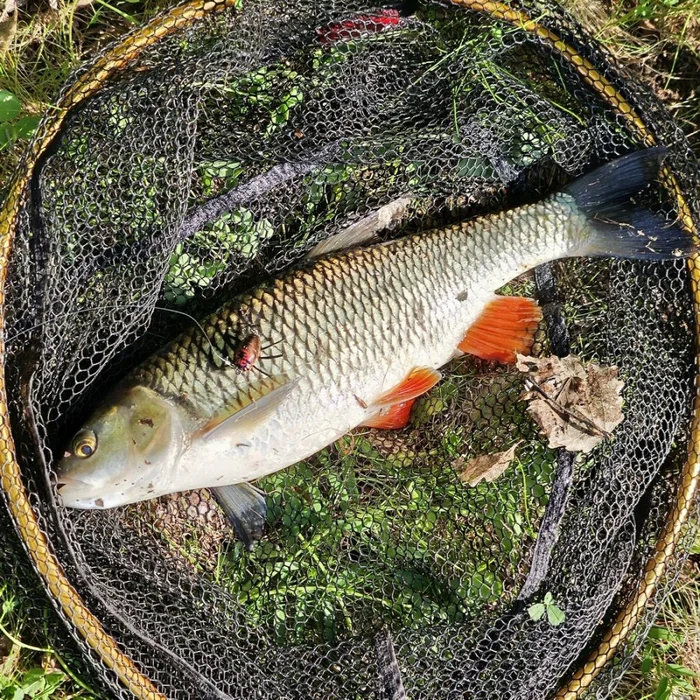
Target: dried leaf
{"type": "Point", "coordinates": [9, 8]}
{"type": "Point", "coordinates": [487, 467]}
{"type": "Point", "coordinates": [8, 23]}
{"type": "Point", "coordinates": [577, 406]}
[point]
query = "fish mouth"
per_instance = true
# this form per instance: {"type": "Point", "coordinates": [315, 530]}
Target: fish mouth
{"type": "Point", "coordinates": [76, 494]}
{"type": "Point", "coordinates": [69, 481]}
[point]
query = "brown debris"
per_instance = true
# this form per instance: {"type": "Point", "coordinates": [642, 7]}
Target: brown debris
{"type": "Point", "coordinates": [577, 406]}
{"type": "Point", "coordinates": [487, 467]}
{"type": "Point", "coordinates": [8, 25]}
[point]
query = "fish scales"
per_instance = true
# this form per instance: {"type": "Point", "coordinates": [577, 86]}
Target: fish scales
{"type": "Point", "coordinates": [353, 311]}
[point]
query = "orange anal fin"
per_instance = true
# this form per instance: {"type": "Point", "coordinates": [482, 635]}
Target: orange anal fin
{"type": "Point", "coordinates": [420, 380]}
{"type": "Point", "coordinates": [506, 326]}
{"type": "Point", "coordinates": [392, 417]}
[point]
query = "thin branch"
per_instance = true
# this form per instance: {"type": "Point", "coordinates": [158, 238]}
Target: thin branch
{"type": "Point", "coordinates": [565, 412]}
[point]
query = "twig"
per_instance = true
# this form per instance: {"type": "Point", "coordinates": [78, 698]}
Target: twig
{"type": "Point", "coordinates": [571, 413]}
{"type": "Point", "coordinates": [20, 644]}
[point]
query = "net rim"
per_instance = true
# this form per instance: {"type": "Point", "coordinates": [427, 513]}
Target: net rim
{"type": "Point", "coordinates": [53, 576]}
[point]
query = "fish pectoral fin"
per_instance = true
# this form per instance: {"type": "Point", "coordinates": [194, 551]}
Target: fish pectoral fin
{"type": "Point", "coordinates": [505, 327]}
{"type": "Point", "coordinates": [365, 229]}
{"type": "Point", "coordinates": [246, 509]}
{"type": "Point", "coordinates": [247, 419]}
{"type": "Point", "coordinates": [419, 380]}
{"type": "Point", "coordinates": [393, 417]}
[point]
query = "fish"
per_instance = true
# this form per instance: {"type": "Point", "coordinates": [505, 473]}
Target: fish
{"type": "Point", "coordinates": [349, 338]}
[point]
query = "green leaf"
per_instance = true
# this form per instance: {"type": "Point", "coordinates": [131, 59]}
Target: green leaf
{"type": "Point", "coordinates": [663, 692]}
{"type": "Point", "coordinates": [9, 106]}
{"type": "Point", "coordinates": [681, 670]}
{"type": "Point", "coordinates": [659, 633]}
{"type": "Point", "coordinates": [26, 126]}
{"type": "Point", "coordinates": [34, 688]}
{"type": "Point", "coordinates": [536, 611]}
{"type": "Point", "coordinates": [548, 598]}
{"type": "Point", "coordinates": [555, 615]}
{"type": "Point", "coordinates": [8, 135]}
{"type": "Point", "coordinates": [33, 675]}
{"type": "Point", "coordinates": [54, 679]}
{"type": "Point", "coordinates": [647, 665]}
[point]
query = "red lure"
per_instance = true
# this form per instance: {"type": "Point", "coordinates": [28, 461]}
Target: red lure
{"type": "Point", "coordinates": [357, 26]}
{"type": "Point", "coordinates": [248, 353]}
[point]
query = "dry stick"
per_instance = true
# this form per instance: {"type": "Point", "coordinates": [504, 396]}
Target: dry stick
{"type": "Point", "coordinates": [566, 412]}
{"type": "Point", "coordinates": [255, 187]}
{"type": "Point", "coordinates": [388, 667]}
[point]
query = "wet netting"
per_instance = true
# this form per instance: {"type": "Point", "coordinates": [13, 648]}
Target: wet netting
{"type": "Point", "coordinates": [213, 149]}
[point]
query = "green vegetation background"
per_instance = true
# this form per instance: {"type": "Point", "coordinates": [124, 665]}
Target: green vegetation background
{"type": "Point", "coordinates": [40, 44]}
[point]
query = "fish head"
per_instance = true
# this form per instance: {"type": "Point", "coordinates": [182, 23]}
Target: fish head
{"type": "Point", "coordinates": [126, 452]}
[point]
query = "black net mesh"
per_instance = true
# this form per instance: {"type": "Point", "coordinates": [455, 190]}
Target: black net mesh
{"type": "Point", "coordinates": [220, 156]}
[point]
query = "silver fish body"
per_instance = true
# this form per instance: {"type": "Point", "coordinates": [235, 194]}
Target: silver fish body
{"type": "Point", "coordinates": [335, 336]}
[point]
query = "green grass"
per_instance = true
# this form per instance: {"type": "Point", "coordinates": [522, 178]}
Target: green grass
{"type": "Point", "coordinates": [669, 665]}
{"type": "Point", "coordinates": [296, 573]}
{"type": "Point", "coordinates": [45, 46]}
{"type": "Point", "coordinates": [38, 52]}
{"type": "Point", "coordinates": [335, 562]}
{"type": "Point", "coordinates": [29, 669]}
{"type": "Point", "coordinates": [657, 40]}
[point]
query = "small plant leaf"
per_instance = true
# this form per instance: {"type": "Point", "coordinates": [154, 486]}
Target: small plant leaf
{"type": "Point", "coordinates": [53, 681]}
{"type": "Point", "coordinates": [548, 598]}
{"type": "Point", "coordinates": [663, 691]}
{"type": "Point", "coordinates": [33, 675]}
{"type": "Point", "coordinates": [26, 126]}
{"type": "Point", "coordinates": [681, 670]}
{"type": "Point", "coordinates": [659, 633]}
{"type": "Point", "coordinates": [8, 135]}
{"type": "Point", "coordinates": [647, 665]}
{"type": "Point", "coordinates": [34, 688]}
{"type": "Point", "coordinates": [536, 611]}
{"type": "Point", "coordinates": [555, 615]}
{"type": "Point", "coordinates": [9, 106]}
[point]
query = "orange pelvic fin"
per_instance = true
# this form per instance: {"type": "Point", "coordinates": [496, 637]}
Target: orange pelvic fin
{"type": "Point", "coordinates": [507, 325]}
{"type": "Point", "coordinates": [420, 380]}
{"type": "Point", "coordinates": [393, 417]}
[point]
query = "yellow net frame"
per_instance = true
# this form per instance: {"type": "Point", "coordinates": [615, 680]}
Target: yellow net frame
{"type": "Point", "coordinates": [54, 578]}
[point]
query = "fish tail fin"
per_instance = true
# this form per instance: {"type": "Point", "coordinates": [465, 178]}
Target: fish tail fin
{"type": "Point", "coordinates": [618, 227]}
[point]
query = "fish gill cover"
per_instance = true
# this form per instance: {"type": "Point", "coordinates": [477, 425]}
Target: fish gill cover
{"type": "Point", "coordinates": [219, 155]}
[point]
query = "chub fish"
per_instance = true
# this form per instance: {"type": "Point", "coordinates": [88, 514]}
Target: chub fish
{"type": "Point", "coordinates": [345, 340]}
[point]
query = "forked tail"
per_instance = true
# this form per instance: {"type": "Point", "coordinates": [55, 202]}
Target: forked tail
{"type": "Point", "coordinates": [618, 226]}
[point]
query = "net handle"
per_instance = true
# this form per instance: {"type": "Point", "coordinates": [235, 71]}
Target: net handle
{"type": "Point", "coordinates": [53, 577]}
{"type": "Point", "coordinates": [674, 526]}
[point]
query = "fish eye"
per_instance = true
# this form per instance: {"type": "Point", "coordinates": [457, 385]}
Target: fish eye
{"type": "Point", "coordinates": [85, 444]}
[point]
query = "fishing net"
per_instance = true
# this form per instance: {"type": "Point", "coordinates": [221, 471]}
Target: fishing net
{"type": "Point", "coordinates": [212, 150]}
